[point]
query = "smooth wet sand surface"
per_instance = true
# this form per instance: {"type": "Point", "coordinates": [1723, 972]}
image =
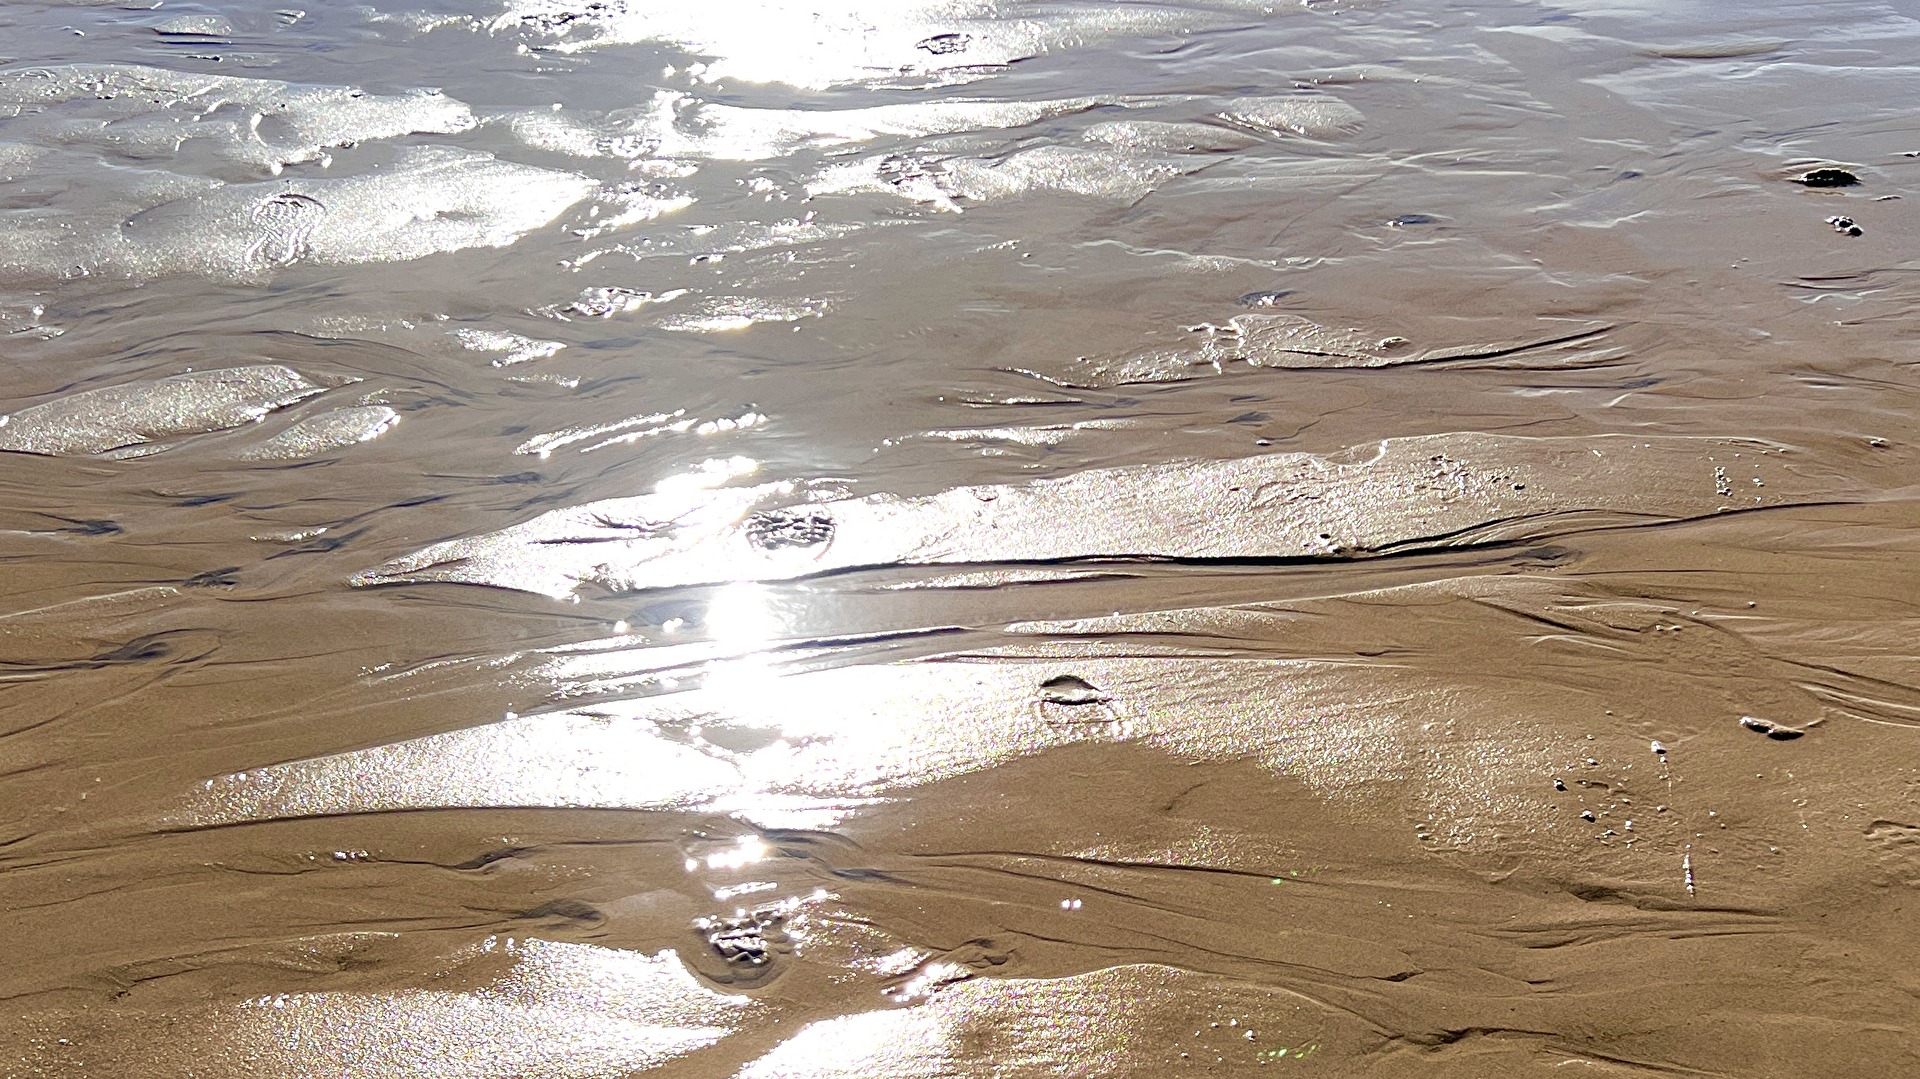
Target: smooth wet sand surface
{"type": "Point", "coordinates": [766, 540]}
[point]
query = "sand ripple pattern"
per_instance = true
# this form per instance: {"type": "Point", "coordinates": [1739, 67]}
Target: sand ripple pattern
{"type": "Point", "coordinates": [1398, 496]}
{"type": "Point", "coordinates": [117, 417]}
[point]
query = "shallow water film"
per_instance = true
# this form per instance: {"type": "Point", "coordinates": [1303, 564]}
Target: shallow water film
{"type": "Point", "coordinates": [750, 539]}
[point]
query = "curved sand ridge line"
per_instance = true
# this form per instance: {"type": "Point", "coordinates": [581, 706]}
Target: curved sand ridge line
{"type": "Point", "coordinates": [680, 126]}
{"type": "Point", "coordinates": [430, 200]}
{"type": "Point", "coordinates": [137, 113]}
{"type": "Point", "coordinates": [828, 741]}
{"type": "Point", "coordinates": [1401, 494]}
{"type": "Point", "coordinates": [1317, 705]}
{"type": "Point", "coordinates": [555, 1009]}
{"type": "Point", "coordinates": [1289, 342]}
{"type": "Point", "coordinates": [574, 1011]}
{"type": "Point", "coordinates": [128, 127]}
{"type": "Point", "coordinates": [135, 414]}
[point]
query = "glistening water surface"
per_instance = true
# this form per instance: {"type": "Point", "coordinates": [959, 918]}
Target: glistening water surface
{"type": "Point", "coordinates": [549, 540]}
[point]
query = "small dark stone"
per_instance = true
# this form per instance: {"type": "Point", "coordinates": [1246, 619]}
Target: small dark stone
{"type": "Point", "coordinates": [1771, 729]}
{"type": "Point", "coordinates": [1828, 178]}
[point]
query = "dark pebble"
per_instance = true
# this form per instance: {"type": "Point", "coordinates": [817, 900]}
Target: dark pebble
{"type": "Point", "coordinates": [1829, 178]}
{"type": "Point", "coordinates": [1771, 729]}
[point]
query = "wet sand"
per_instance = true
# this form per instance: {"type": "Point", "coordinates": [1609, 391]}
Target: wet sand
{"type": "Point", "coordinates": [772, 540]}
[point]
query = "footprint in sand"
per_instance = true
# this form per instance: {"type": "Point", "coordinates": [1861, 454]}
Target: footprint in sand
{"type": "Point", "coordinates": [779, 529]}
{"type": "Point", "coordinates": [286, 221]}
{"type": "Point", "coordinates": [1896, 845]}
